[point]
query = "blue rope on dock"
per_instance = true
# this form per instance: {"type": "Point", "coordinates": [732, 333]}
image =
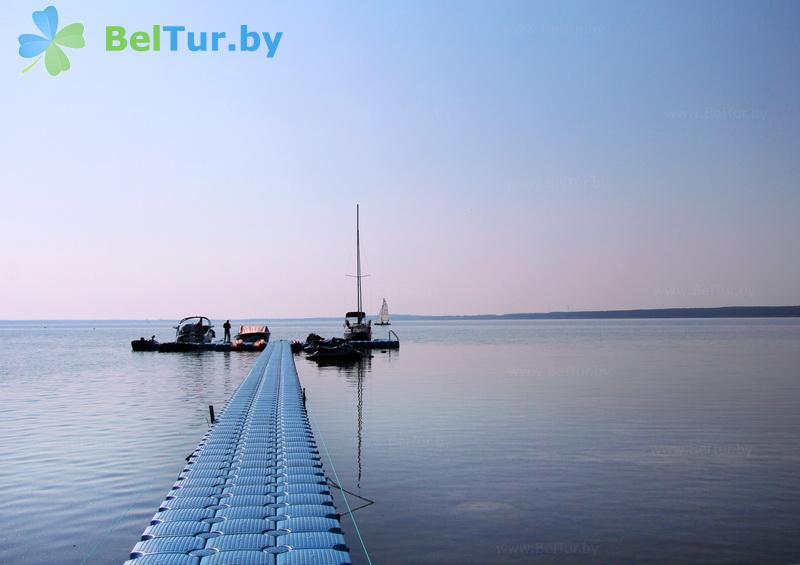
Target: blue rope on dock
{"type": "Point", "coordinates": [254, 491]}
{"type": "Point", "coordinates": [344, 495]}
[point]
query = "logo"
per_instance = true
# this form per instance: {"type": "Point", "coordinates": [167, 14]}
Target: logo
{"type": "Point", "coordinates": [50, 46]}
{"type": "Point", "coordinates": [177, 38]}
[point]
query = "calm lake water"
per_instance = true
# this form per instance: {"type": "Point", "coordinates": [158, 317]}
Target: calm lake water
{"type": "Point", "coordinates": [657, 441]}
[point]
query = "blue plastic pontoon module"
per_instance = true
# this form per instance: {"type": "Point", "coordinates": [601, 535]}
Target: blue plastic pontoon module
{"type": "Point", "coordinates": [253, 492]}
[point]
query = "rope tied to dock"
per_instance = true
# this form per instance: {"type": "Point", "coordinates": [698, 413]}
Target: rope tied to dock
{"type": "Point", "coordinates": [344, 495]}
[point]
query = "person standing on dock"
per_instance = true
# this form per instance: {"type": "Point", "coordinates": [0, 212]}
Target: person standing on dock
{"type": "Point", "coordinates": [227, 327]}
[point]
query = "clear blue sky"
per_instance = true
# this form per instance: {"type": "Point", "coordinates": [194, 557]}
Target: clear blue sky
{"type": "Point", "coordinates": [508, 156]}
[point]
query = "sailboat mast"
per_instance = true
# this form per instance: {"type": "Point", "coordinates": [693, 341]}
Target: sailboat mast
{"type": "Point", "coordinates": [358, 264]}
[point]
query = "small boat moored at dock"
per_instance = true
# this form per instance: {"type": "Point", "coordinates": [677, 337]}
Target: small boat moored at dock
{"type": "Point", "coordinates": [143, 344]}
{"type": "Point", "coordinates": [342, 353]}
{"type": "Point", "coordinates": [333, 350]}
{"type": "Point", "coordinates": [195, 333]}
{"type": "Point", "coordinates": [338, 347]}
{"type": "Point", "coordinates": [251, 338]}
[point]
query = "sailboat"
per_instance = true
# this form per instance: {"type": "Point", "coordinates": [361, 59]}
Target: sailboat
{"type": "Point", "coordinates": [355, 327]}
{"type": "Point", "coordinates": [383, 315]}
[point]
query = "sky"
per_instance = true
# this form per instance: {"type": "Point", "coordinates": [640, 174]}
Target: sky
{"type": "Point", "coordinates": [507, 156]}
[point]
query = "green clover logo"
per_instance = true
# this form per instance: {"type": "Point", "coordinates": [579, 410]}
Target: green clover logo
{"type": "Point", "coordinates": [55, 60]}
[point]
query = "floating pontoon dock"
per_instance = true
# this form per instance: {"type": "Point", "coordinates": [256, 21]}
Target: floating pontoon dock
{"type": "Point", "coordinates": [253, 492]}
{"type": "Point", "coordinates": [378, 343]}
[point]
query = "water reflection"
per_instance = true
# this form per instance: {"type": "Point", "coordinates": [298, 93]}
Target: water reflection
{"type": "Point", "coordinates": [603, 435]}
{"type": "Point", "coordinates": [354, 374]}
{"type": "Point", "coordinates": [360, 410]}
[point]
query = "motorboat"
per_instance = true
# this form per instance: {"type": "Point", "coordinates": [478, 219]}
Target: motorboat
{"type": "Point", "coordinates": [251, 338]}
{"type": "Point", "coordinates": [195, 333]}
{"type": "Point", "coordinates": [143, 344]}
{"type": "Point", "coordinates": [341, 353]}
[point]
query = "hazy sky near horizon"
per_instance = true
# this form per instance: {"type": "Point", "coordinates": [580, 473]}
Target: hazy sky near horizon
{"type": "Point", "coordinates": [508, 157]}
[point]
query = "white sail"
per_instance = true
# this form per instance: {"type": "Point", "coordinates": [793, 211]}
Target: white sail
{"type": "Point", "coordinates": [383, 316]}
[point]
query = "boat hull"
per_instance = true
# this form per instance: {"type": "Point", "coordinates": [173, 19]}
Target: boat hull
{"type": "Point", "coordinates": [375, 344]}
{"type": "Point", "coordinates": [342, 354]}
{"type": "Point", "coordinates": [360, 332]}
{"type": "Point", "coordinates": [175, 347]}
{"type": "Point", "coordinates": [248, 347]}
{"type": "Point", "coordinates": [144, 345]}
{"type": "Point", "coordinates": [183, 347]}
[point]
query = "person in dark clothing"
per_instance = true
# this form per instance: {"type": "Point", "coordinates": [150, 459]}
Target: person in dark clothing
{"type": "Point", "coordinates": [227, 327]}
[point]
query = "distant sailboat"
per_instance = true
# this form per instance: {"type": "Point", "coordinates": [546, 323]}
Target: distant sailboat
{"type": "Point", "coordinates": [383, 315]}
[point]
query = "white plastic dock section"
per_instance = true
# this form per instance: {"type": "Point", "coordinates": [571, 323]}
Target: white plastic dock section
{"type": "Point", "coordinates": [254, 491]}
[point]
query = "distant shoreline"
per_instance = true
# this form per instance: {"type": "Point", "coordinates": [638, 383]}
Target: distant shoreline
{"type": "Point", "coordinates": [638, 314]}
{"type": "Point", "coordinates": [642, 313]}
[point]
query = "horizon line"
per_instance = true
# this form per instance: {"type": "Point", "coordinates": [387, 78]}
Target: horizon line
{"type": "Point", "coordinates": [554, 314]}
